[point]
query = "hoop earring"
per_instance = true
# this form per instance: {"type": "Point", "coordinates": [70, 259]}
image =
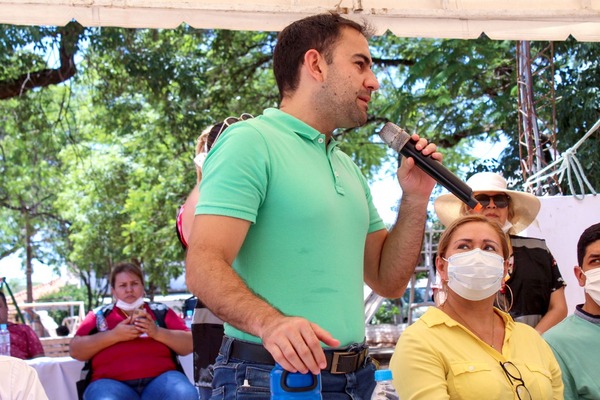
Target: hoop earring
{"type": "Point", "coordinates": [441, 295]}
{"type": "Point", "coordinates": [504, 298]}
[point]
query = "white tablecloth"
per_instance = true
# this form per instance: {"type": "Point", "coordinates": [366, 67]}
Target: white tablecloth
{"type": "Point", "coordinates": [59, 374]}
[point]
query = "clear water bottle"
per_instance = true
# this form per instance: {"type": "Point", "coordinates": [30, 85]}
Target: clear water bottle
{"type": "Point", "coordinates": [384, 390]}
{"type": "Point", "coordinates": [189, 318]}
{"type": "Point", "coordinates": [294, 385]}
{"type": "Point", "coordinates": [4, 340]}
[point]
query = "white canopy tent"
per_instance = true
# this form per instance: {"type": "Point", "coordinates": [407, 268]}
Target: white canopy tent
{"type": "Point", "coordinates": [461, 19]}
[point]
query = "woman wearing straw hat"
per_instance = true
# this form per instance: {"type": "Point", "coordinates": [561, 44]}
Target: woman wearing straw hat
{"type": "Point", "coordinates": [535, 286]}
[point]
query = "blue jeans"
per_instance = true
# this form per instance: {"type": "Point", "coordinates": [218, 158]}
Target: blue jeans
{"type": "Point", "coordinates": [204, 383]}
{"type": "Point", "coordinates": [170, 385]}
{"type": "Point", "coordinates": [239, 379]}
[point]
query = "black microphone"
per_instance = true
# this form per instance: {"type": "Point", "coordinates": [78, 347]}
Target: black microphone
{"type": "Point", "coordinates": [399, 140]}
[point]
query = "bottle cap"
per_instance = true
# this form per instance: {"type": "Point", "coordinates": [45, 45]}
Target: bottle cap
{"type": "Point", "coordinates": [3, 327]}
{"type": "Point", "coordinates": [189, 313]}
{"type": "Point", "coordinates": [383, 375]}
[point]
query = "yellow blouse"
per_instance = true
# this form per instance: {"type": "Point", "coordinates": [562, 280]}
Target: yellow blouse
{"type": "Point", "coordinates": [438, 358]}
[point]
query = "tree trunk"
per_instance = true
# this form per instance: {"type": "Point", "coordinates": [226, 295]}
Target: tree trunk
{"type": "Point", "coordinates": [28, 261]}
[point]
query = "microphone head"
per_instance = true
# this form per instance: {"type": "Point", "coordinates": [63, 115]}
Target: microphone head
{"type": "Point", "coordinates": [394, 136]}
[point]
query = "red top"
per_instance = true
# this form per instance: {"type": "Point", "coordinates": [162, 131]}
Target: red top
{"type": "Point", "coordinates": [24, 343]}
{"type": "Point", "coordinates": [179, 225]}
{"type": "Point", "coordinates": [143, 357]}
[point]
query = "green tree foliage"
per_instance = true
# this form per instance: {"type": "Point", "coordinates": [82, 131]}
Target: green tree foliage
{"type": "Point", "coordinates": [578, 107]}
{"type": "Point", "coordinates": [151, 106]}
{"type": "Point", "coordinates": [25, 69]}
{"type": "Point", "coordinates": [98, 182]}
{"type": "Point", "coordinates": [30, 173]}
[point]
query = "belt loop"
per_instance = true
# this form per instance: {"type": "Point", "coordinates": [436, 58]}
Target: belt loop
{"type": "Point", "coordinates": [225, 349]}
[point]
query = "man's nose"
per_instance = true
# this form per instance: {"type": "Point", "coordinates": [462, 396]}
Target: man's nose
{"type": "Point", "coordinates": [372, 83]}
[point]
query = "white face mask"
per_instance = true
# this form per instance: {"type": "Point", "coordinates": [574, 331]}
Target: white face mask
{"type": "Point", "coordinates": [476, 274]}
{"type": "Point", "coordinates": [592, 284]}
{"type": "Point", "coordinates": [123, 305]}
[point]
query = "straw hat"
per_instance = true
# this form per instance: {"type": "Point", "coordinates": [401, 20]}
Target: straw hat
{"type": "Point", "coordinates": [525, 205]}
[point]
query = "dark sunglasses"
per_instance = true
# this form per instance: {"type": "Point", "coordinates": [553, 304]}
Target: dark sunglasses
{"type": "Point", "coordinates": [500, 200]}
{"type": "Point", "coordinates": [513, 374]}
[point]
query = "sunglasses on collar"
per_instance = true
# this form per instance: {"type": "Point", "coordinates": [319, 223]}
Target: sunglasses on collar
{"type": "Point", "coordinates": [227, 122]}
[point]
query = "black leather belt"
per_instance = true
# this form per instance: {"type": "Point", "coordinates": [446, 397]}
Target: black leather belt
{"type": "Point", "coordinates": [338, 361]}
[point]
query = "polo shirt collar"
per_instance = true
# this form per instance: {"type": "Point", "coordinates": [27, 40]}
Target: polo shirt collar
{"type": "Point", "coordinates": [299, 127]}
{"type": "Point", "coordinates": [594, 319]}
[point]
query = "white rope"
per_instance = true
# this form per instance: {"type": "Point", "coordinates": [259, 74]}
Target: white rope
{"type": "Point", "coordinates": [569, 164]}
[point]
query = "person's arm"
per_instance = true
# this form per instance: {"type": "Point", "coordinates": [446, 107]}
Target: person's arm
{"type": "Point", "coordinates": [85, 347]}
{"type": "Point", "coordinates": [565, 376]}
{"type": "Point", "coordinates": [558, 383]}
{"type": "Point", "coordinates": [180, 341]}
{"type": "Point", "coordinates": [292, 341]}
{"type": "Point", "coordinates": [391, 258]}
{"type": "Point", "coordinates": [557, 311]}
{"type": "Point", "coordinates": [189, 211]}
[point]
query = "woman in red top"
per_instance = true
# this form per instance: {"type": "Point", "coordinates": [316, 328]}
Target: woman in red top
{"type": "Point", "coordinates": [131, 356]}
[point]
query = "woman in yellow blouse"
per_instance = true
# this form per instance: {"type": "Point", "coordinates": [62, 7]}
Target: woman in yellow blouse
{"type": "Point", "coordinates": [466, 348]}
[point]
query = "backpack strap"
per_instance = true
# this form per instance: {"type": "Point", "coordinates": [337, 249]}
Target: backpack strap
{"type": "Point", "coordinates": [86, 372]}
{"type": "Point", "coordinates": [101, 313]}
{"type": "Point", "coordinates": [160, 312]}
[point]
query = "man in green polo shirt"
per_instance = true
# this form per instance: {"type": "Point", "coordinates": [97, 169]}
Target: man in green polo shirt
{"type": "Point", "coordinates": [576, 340]}
{"type": "Point", "coordinates": [286, 232]}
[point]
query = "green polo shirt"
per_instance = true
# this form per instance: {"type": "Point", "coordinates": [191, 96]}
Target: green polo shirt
{"type": "Point", "coordinates": [311, 210]}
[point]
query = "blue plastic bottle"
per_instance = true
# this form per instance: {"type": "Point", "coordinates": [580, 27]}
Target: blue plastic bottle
{"type": "Point", "coordinates": [294, 386]}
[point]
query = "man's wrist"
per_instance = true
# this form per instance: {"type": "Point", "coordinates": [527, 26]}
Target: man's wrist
{"type": "Point", "coordinates": [414, 200]}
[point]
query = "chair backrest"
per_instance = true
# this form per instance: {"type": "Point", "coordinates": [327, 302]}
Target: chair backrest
{"type": "Point", "coordinates": [72, 323]}
{"type": "Point", "coordinates": [56, 346]}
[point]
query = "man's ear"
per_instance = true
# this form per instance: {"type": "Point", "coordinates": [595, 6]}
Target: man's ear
{"type": "Point", "coordinates": [314, 65]}
{"type": "Point", "coordinates": [578, 271]}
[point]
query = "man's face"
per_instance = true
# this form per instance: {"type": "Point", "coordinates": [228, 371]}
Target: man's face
{"type": "Point", "coordinates": [349, 81]}
{"type": "Point", "coordinates": [591, 260]}
{"type": "Point", "coordinates": [586, 274]}
{"type": "Point", "coordinates": [3, 311]}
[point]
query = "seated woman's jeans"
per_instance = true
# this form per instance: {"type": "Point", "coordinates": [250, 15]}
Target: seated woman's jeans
{"type": "Point", "coordinates": [171, 385]}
